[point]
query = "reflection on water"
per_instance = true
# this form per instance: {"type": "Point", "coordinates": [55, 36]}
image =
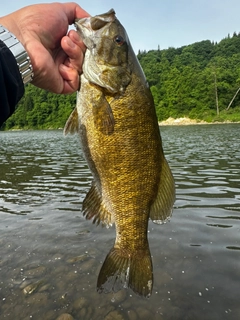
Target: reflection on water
{"type": "Point", "coordinates": [50, 256]}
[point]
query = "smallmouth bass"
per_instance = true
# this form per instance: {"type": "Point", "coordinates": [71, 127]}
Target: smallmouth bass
{"type": "Point", "coordinates": [117, 123]}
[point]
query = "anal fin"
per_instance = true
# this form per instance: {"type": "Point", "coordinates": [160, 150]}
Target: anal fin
{"type": "Point", "coordinates": [93, 208]}
{"type": "Point", "coordinates": [161, 209]}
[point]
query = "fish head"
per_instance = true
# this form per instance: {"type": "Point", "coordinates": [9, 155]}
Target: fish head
{"type": "Point", "coordinates": [106, 60]}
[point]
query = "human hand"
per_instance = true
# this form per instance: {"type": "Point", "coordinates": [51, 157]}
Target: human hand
{"type": "Point", "coordinates": [56, 56]}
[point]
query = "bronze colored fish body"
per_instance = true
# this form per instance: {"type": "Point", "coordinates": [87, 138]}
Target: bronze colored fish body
{"type": "Point", "coordinates": [116, 119]}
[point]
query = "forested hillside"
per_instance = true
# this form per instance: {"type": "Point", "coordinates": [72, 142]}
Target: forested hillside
{"type": "Point", "coordinates": [40, 109]}
{"type": "Point", "coordinates": [199, 81]}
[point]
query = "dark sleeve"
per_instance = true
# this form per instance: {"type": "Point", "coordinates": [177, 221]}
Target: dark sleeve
{"type": "Point", "coordinates": [11, 84]}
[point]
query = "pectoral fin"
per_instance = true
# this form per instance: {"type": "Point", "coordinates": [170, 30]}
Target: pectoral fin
{"type": "Point", "coordinates": [161, 209]}
{"type": "Point", "coordinates": [103, 116]}
{"type": "Point", "coordinates": [93, 208]}
{"type": "Point", "coordinates": [72, 125]}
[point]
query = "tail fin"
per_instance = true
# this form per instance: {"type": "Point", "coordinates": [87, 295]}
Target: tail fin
{"type": "Point", "coordinates": [122, 270]}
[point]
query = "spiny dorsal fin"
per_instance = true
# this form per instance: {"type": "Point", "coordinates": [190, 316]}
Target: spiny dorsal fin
{"type": "Point", "coordinates": [161, 209]}
{"type": "Point", "coordinates": [93, 207]}
{"type": "Point", "coordinates": [72, 125]}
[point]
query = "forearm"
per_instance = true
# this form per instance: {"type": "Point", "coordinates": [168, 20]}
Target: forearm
{"type": "Point", "coordinates": [11, 84]}
{"type": "Point", "coordinates": [15, 71]}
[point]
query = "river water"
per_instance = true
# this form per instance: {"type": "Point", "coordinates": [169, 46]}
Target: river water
{"type": "Point", "coordinates": [50, 255]}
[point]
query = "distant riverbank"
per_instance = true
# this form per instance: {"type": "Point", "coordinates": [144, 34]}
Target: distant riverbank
{"type": "Point", "coordinates": [185, 121]}
{"type": "Point", "coordinates": [180, 121]}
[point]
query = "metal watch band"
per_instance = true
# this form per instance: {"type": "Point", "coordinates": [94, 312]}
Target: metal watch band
{"type": "Point", "coordinates": [20, 54]}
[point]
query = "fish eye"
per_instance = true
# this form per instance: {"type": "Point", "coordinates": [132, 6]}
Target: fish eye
{"type": "Point", "coordinates": [119, 40]}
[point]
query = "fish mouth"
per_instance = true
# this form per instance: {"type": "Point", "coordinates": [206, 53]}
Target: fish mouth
{"type": "Point", "coordinates": [86, 26]}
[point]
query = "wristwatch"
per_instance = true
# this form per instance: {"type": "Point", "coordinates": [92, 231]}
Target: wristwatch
{"type": "Point", "coordinates": [20, 54]}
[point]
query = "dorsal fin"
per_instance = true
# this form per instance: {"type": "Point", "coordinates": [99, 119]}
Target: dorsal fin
{"type": "Point", "coordinates": [161, 209]}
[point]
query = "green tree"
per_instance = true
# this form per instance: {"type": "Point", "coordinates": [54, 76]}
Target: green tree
{"type": "Point", "coordinates": [183, 82]}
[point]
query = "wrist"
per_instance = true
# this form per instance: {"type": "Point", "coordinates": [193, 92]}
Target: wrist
{"type": "Point", "coordinates": [19, 52]}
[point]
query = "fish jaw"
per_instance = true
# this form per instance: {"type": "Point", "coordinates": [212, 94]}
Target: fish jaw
{"type": "Point", "coordinates": [86, 27]}
{"type": "Point", "coordinates": [106, 57]}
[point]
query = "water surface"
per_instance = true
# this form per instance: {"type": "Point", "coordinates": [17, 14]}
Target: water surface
{"type": "Point", "coordinates": [50, 256]}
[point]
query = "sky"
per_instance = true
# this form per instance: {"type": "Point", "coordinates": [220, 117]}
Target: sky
{"type": "Point", "coordinates": [163, 23]}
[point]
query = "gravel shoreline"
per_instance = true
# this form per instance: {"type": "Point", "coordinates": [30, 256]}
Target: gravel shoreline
{"type": "Point", "coordinates": [187, 121]}
{"type": "Point", "coordinates": [180, 121]}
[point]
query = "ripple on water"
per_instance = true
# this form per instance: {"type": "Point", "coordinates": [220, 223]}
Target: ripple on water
{"type": "Point", "coordinates": [49, 249]}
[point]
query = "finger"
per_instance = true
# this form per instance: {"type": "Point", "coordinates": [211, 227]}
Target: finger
{"type": "Point", "coordinates": [73, 52]}
{"type": "Point", "coordinates": [70, 79]}
{"type": "Point", "coordinates": [80, 13]}
{"type": "Point", "coordinates": [73, 11]}
{"type": "Point", "coordinates": [75, 37]}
